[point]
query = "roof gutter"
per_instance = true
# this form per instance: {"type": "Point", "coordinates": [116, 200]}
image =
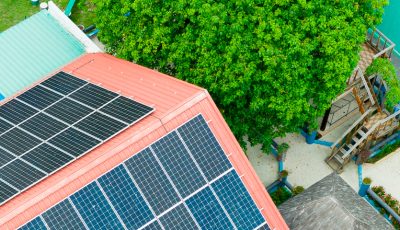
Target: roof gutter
{"type": "Point", "coordinates": [64, 21]}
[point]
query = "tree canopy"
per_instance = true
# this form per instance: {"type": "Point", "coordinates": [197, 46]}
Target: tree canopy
{"type": "Point", "coordinates": [271, 66]}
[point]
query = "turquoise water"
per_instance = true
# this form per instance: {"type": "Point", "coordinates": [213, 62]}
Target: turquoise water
{"type": "Point", "coordinates": [391, 22]}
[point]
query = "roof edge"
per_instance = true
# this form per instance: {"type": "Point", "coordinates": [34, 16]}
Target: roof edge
{"type": "Point", "coordinates": [69, 26]}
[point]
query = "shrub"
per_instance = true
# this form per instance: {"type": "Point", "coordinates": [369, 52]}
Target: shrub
{"type": "Point", "coordinates": [297, 190]}
{"type": "Point", "coordinates": [389, 200]}
{"type": "Point", "coordinates": [280, 195]}
{"type": "Point", "coordinates": [389, 148]}
{"type": "Point", "coordinates": [367, 180]}
{"type": "Point", "coordinates": [283, 173]}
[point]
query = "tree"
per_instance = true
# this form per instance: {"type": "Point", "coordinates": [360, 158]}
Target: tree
{"type": "Point", "coordinates": [271, 66]}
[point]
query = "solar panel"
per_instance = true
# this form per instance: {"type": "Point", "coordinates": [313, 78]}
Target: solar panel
{"type": "Point", "coordinates": [236, 200]}
{"type": "Point", "coordinates": [63, 216]}
{"type": "Point", "coordinates": [93, 95]}
{"type": "Point", "coordinates": [5, 157]}
{"type": "Point", "coordinates": [264, 227]}
{"type": "Point", "coordinates": [54, 123]}
{"type": "Point", "coordinates": [178, 218]}
{"type": "Point", "coordinates": [207, 211]}
{"type": "Point", "coordinates": [63, 83]}
{"type": "Point", "coordinates": [35, 224]}
{"type": "Point", "coordinates": [43, 126]}
{"type": "Point", "coordinates": [6, 191]}
{"type": "Point", "coordinates": [126, 198]}
{"type": "Point", "coordinates": [16, 112]}
{"type": "Point", "coordinates": [100, 126]}
{"type": "Point", "coordinates": [178, 164]}
{"type": "Point", "coordinates": [47, 158]}
{"type": "Point", "coordinates": [39, 97]}
{"type": "Point", "coordinates": [95, 209]}
{"type": "Point", "coordinates": [204, 147]}
{"type": "Point", "coordinates": [164, 186]}
{"type": "Point", "coordinates": [18, 142]}
{"type": "Point", "coordinates": [153, 226]}
{"type": "Point", "coordinates": [151, 179]}
{"type": "Point", "coordinates": [4, 126]}
{"type": "Point", "coordinates": [20, 174]}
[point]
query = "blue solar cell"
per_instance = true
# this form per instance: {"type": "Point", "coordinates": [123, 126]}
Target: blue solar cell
{"type": "Point", "coordinates": [94, 208]}
{"type": "Point", "coordinates": [39, 97]}
{"type": "Point", "coordinates": [35, 224]}
{"type": "Point", "coordinates": [237, 201]}
{"type": "Point", "coordinates": [153, 226]}
{"type": "Point", "coordinates": [63, 216]}
{"type": "Point", "coordinates": [178, 219]}
{"type": "Point", "coordinates": [264, 227]}
{"type": "Point", "coordinates": [63, 83]}
{"type": "Point", "coordinates": [204, 147]}
{"type": "Point", "coordinates": [178, 164]}
{"type": "Point", "coordinates": [126, 198]}
{"type": "Point", "coordinates": [207, 211]}
{"type": "Point", "coordinates": [150, 178]}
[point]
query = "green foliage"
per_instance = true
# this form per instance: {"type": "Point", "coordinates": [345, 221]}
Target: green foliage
{"type": "Point", "coordinates": [297, 190]}
{"type": "Point", "coordinates": [385, 68]}
{"type": "Point", "coordinates": [271, 66]}
{"type": "Point", "coordinates": [280, 195]}
{"type": "Point", "coordinates": [367, 180]}
{"type": "Point", "coordinates": [389, 148]}
{"type": "Point", "coordinates": [389, 200]}
{"type": "Point", "coordinates": [282, 148]}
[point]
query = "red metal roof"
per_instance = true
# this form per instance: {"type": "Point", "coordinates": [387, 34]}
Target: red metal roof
{"type": "Point", "coordinates": [175, 102]}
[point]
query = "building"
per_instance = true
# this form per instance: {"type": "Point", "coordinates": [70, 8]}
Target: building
{"type": "Point", "coordinates": [38, 46]}
{"type": "Point", "coordinates": [180, 120]}
{"type": "Point", "coordinates": [331, 204]}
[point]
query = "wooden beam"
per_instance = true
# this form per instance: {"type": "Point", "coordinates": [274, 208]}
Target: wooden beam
{"type": "Point", "coordinates": [358, 100]}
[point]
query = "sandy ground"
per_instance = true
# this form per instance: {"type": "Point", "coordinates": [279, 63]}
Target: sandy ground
{"type": "Point", "coordinates": [306, 164]}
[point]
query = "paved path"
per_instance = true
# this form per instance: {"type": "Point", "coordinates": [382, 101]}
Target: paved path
{"type": "Point", "coordinates": [306, 166]}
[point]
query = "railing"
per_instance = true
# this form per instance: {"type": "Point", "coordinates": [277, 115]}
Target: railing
{"type": "Point", "coordinates": [353, 126]}
{"type": "Point", "coordinates": [380, 42]}
{"type": "Point", "coordinates": [370, 131]}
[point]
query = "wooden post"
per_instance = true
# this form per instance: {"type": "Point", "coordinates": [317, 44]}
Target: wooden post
{"type": "Point", "coordinates": [358, 100]}
{"type": "Point", "coordinates": [325, 119]}
{"type": "Point", "coordinates": [371, 89]}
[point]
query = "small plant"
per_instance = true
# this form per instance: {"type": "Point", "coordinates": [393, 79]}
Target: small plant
{"type": "Point", "coordinates": [367, 180]}
{"type": "Point", "coordinates": [283, 173]}
{"type": "Point", "coordinates": [282, 150]}
{"type": "Point", "coordinates": [280, 195]}
{"type": "Point", "coordinates": [297, 190]}
{"type": "Point", "coordinates": [389, 200]}
{"type": "Point", "coordinates": [389, 148]}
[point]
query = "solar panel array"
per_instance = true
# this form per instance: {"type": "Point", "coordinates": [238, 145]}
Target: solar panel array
{"type": "Point", "coordinates": [182, 181]}
{"type": "Point", "coordinates": [54, 123]}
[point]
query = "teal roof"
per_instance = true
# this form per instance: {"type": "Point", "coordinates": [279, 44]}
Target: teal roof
{"type": "Point", "coordinates": [32, 49]}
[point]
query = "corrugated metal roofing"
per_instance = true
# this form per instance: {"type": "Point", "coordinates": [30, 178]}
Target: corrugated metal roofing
{"type": "Point", "coordinates": [32, 49]}
{"type": "Point", "coordinates": [175, 102]}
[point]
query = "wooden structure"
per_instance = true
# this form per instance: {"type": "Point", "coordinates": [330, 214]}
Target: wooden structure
{"type": "Point", "coordinates": [369, 129]}
{"type": "Point", "coordinates": [358, 96]}
{"type": "Point", "coordinates": [365, 96]}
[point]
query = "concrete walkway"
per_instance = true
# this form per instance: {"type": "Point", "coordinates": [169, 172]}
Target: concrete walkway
{"type": "Point", "coordinates": [306, 164]}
